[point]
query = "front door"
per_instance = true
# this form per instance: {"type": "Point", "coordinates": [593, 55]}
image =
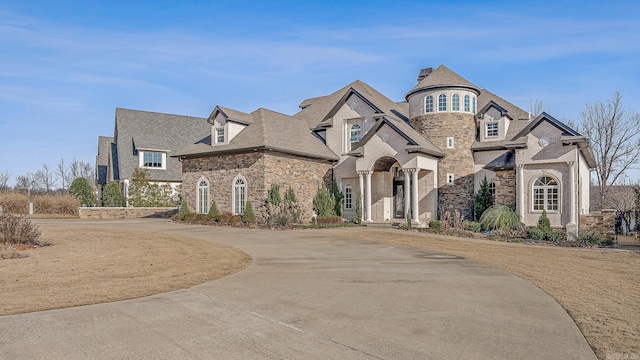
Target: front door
{"type": "Point", "coordinates": [398, 199]}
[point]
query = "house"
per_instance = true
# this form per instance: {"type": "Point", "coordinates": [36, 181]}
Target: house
{"type": "Point", "coordinates": [422, 157]}
{"type": "Point", "coordinates": [144, 139]}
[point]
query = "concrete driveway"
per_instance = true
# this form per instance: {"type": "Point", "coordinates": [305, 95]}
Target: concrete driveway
{"type": "Point", "coordinates": [310, 295]}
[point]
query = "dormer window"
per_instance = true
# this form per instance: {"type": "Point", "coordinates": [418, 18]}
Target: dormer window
{"type": "Point", "coordinates": [428, 104]}
{"type": "Point", "coordinates": [152, 159]}
{"type": "Point", "coordinates": [355, 134]}
{"type": "Point", "coordinates": [219, 135]}
{"type": "Point", "coordinates": [442, 102]}
{"type": "Point", "coordinates": [467, 107]}
{"type": "Point", "coordinates": [492, 129]}
{"type": "Point", "coordinates": [455, 102]}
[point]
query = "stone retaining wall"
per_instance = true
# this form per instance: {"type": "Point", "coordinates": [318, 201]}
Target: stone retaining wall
{"type": "Point", "coordinates": [125, 212]}
{"type": "Point", "coordinates": [602, 222]}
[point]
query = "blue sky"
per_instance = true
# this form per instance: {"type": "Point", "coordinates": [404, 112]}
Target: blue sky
{"type": "Point", "coordinates": [66, 66]}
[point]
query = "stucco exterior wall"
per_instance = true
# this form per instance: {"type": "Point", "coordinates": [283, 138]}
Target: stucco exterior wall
{"type": "Point", "coordinates": [417, 106]}
{"type": "Point", "coordinates": [354, 111]}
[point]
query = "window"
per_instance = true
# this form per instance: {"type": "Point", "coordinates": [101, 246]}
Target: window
{"type": "Point", "coordinates": [442, 102]}
{"type": "Point", "coordinates": [428, 104]}
{"type": "Point", "coordinates": [492, 129]}
{"type": "Point", "coordinates": [455, 102]}
{"type": "Point", "coordinates": [450, 179]}
{"type": "Point", "coordinates": [348, 197]}
{"type": "Point", "coordinates": [220, 136]}
{"type": "Point", "coordinates": [545, 194]}
{"type": "Point", "coordinates": [202, 207]}
{"type": "Point", "coordinates": [355, 134]}
{"type": "Point", "coordinates": [152, 159]}
{"type": "Point", "coordinates": [239, 196]}
{"type": "Point", "coordinates": [474, 104]}
{"type": "Point", "coordinates": [492, 191]}
{"type": "Point", "coordinates": [467, 108]}
{"type": "Point", "coordinates": [449, 143]}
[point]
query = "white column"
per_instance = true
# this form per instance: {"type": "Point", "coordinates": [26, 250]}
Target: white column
{"type": "Point", "coordinates": [435, 193]}
{"type": "Point", "coordinates": [521, 193]}
{"type": "Point", "coordinates": [360, 173]}
{"type": "Point", "coordinates": [572, 194]}
{"type": "Point", "coordinates": [414, 195]}
{"type": "Point", "coordinates": [368, 203]}
{"type": "Point", "coordinates": [407, 192]}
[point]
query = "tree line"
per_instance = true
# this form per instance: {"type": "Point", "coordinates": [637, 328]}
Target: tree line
{"type": "Point", "coordinates": [48, 179]}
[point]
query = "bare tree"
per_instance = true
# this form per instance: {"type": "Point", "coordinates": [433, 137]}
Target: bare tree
{"type": "Point", "coordinates": [45, 179]}
{"type": "Point", "coordinates": [25, 182]}
{"type": "Point", "coordinates": [63, 174]}
{"type": "Point", "coordinates": [5, 176]}
{"type": "Point", "coordinates": [536, 107]}
{"type": "Point", "coordinates": [615, 139]}
{"type": "Point", "coordinates": [81, 169]}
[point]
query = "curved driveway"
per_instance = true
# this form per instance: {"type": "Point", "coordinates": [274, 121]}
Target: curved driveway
{"type": "Point", "coordinates": [310, 295]}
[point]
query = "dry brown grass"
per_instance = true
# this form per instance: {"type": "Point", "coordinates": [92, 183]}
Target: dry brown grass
{"type": "Point", "coordinates": [600, 289]}
{"type": "Point", "coordinates": [18, 203]}
{"type": "Point", "coordinates": [89, 266]}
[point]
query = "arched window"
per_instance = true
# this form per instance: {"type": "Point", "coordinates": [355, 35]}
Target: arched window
{"type": "Point", "coordinates": [467, 107]}
{"type": "Point", "coordinates": [355, 134]}
{"type": "Point", "coordinates": [474, 104]}
{"type": "Point", "coordinates": [348, 197]}
{"type": "Point", "coordinates": [545, 194]}
{"type": "Point", "coordinates": [428, 104]}
{"type": "Point", "coordinates": [202, 206]}
{"type": "Point", "coordinates": [455, 102]}
{"type": "Point", "coordinates": [492, 191]}
{"type": "Point", "coordinates": [442, 102]}
{"type": "Point", "coordinates": [239, 195]}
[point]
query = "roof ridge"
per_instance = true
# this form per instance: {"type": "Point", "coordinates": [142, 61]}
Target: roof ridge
{"type": "Point", "coordinates": [156, 112]}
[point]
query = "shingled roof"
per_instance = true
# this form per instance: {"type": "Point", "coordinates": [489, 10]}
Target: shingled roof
{"type": "Point", "coordinates": [102, 159]}
{"type": "Point", "coordinates": [269, 130]}
{"type": "Point", "coordinates": [442, 77]}
{"type": "Point", "coordinates": [143, 130]}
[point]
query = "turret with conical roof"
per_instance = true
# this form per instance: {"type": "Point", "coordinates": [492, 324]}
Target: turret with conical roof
{"type": "Point", "coordinates": [442, 106]}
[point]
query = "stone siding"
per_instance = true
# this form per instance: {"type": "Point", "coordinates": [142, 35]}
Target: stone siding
{"type": "Point", "coordinates": [260, 170]}
{"type": "Point", "coordinates": [125, 212]}
{"type": "Point", "coordinates": [437, 127]}
{"type": "Point", "coordinates": [505, 181]}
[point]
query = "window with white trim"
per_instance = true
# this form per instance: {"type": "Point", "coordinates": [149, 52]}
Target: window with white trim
{"type": "Point", "coordinates": [455, 102]}
{"type": "Point", "coordinates": [219, 135]}
{"type": "Point", "coordinates": [449, 143]}
{"type": "Point", "coordinates": [492, 191]}
{"type": "Point", "coordinates": [442, 102]}
{"type": "Point", "coordinates": [467, 107]}
{"type": "Point", "coordinates": [202, 207]}
{"type": "Point", "coordinates": [152, 159]}
{"type": "Point", "coordinates": [348, 197]}
{"type": "Point", "coordinates": [239, 195]}
{"type": "Point", "coordinates": [450, 179]}
{"type": "Point", "coordinates": [473, 103]}
{"type": "Point", "coordinates": [545, 194]}
{"type": "Point", "coordinates": [428, 104]}
{"type": "Point", "coordinates": [355, 134]}
{"type": "Point", "coordinates": [492, 129]}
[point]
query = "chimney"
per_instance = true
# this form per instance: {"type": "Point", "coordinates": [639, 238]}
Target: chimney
{"type": "Point", "coordinates": [424, 73]}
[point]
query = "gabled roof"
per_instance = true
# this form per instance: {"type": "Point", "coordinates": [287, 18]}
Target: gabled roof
{"type": "Point", "coordinates": [137, 130]}
{"type": "Point", "coordinates": [231, 115]}
{"type": "Point", "coordinates": [415, 141]}
{"type": "Point", "coordinates": [102, 158]}
{"type": "Point", "coordinates": [442, 77]}
{"type": "Point", "coordinates": [566, 130]}
{"type": "Point", "coordinates": [493, 104]}
{"type": "Point", "coordinates": [269, 130]}
{"type": "Point", "coordinates": [319, 109]}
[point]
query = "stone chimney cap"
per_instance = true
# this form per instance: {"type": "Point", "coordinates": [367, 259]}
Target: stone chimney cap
{"type": "Point", "coordinates": [424, 73]}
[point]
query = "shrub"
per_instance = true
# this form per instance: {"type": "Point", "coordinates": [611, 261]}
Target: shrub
{"type": "Point", "coordinates": [273, 196]}
{"type": "Point", "coordinates": [454, 220]}
{"type": "Point", "coordinates": [544, 223]}
{"type": "Point", "coordinates": [500, 217]}
{"type": "Point", "coordinates": [184, 210]}
{"type": "Point", "coordinates": [330, 220]}
{"type": "Point", "coordinates": [543, 231]}
{"type": "Point", "coordinates": [338, 198]}
{"type": "Point", "coordinates": [324, 203]}
{"type": "Point", "coordinates": [235, 219]}
{"type": "Point", "coordinates": [358, 207]}
{"type": "Point", "coordinates": [249, 216]}
{"type": "Point", "coordinates": [112, 195]}
{"type": "Point", "coordinates": [142, 193]}
{"type": "Point", "coordinates": [482, 200]}
{"type": "Point", "coordinates": [18, 229]}
{"type": "Point", "coordinates": [473, 226]}
{"type": "Point", "coordinates": [55, 204]}
{"type": "Point", "coordinates": [81, 189]}
{"type": "Point", "coordinates": [592, 238]}
{"type": "Point", "coordinates": [213, 210]}
{"type": "Point", "coordinates": [435, 225]}
{"type": "Point", "coordinates": [224, 218]}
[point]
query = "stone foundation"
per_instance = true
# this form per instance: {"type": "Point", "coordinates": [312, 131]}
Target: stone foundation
{"type": "Point", "coordinates": [602, 222]}
{"type": "Point", "coordinates": [125, 212]}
